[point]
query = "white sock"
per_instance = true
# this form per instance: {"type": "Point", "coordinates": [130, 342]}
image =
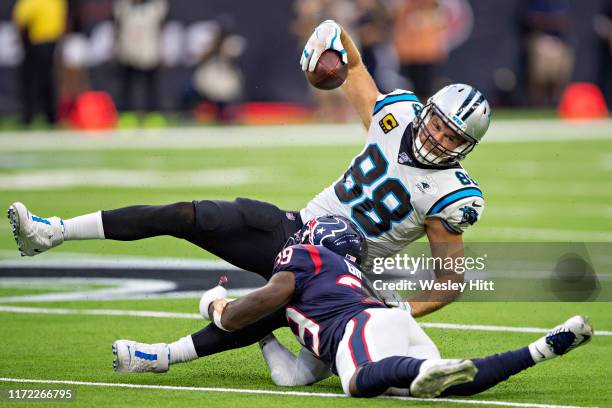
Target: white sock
{"type": "Point", "coordinates": [182, 350]}
{"type": "Point", "coordinates": [88, 226]}
{"type": "Point", "coordinates": [540, 351]}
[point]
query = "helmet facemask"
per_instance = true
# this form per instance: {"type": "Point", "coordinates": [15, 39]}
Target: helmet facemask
{"type": "Point", "coordinates": [429, 151]}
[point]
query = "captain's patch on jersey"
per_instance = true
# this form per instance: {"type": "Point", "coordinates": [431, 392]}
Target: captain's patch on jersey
{"type": "Point", "coordinates": [388, 123]}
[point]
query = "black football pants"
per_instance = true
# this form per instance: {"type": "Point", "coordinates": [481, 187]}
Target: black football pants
{"type": "Point", "coordinates": [246, 233]}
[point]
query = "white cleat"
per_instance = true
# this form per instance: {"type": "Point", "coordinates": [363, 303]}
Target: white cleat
{"type": "Point", "coordinates": [574, 332]}
{"type": "Point", "coordinates": [437, 375]}
{"type": "Point", "coordinates": [134, 357]}
{"type": "Point", "coordinates": [33, 234]}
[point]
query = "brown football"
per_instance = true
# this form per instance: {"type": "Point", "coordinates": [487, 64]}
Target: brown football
{"type": "Point", "coordinates": [329, 73]}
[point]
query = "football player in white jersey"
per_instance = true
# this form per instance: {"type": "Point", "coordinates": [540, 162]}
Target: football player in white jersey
{"type": "Point", "coordinates": [407, 182]}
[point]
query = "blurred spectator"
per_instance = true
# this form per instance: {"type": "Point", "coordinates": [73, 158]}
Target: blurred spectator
{"type": "Point", "coordinates": [41, 24]}
{"type": "Point", "coordinates": [420, 40]}
{"type": "Point", "coordinates": [218, 77]}
{"type": "Point", "coordinates": [139, 26]}
{"type": "Point", "coordinates": [550, 57]}
{"type": "Point", "coordinates": [374, 24]}
{"type": "Point", "coordinates": [603, 27]}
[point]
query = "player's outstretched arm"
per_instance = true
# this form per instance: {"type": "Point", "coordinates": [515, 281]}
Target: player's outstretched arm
{"type": "Point", "coordinates": [232, 316]}
{"type": "Point", "coordinates": [444, 244]}
{"type": "Point", "coordinates": [359, 87]}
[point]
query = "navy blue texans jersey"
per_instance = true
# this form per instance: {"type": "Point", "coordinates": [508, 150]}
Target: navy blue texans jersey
{"type": "Point", "coordinates": [329, 291]}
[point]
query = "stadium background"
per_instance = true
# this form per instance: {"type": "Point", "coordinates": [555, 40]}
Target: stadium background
{"type": "Point", "coordinates": [269, 63]}
{"type": "Point", "coordinates": [545, 180]}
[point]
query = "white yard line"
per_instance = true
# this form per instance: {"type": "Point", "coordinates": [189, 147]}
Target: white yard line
{"type": "Point", "coordinates": [270, 392]}
{"type": "Point", "coordinates": [77, 260]}
{"type": "Point", "coordinates": [501, 131]}
{"type": "Point", "coordinates": [99, 177]}
{"type": "Point", "coordinates": [196, 316]}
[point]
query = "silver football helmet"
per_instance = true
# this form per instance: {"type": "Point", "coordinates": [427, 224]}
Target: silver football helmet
{"type": "Point", "coordinates": [464, 110]}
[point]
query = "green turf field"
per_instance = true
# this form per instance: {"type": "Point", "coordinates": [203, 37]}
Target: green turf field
{"type": "Point", "coordinates": [548, 189]}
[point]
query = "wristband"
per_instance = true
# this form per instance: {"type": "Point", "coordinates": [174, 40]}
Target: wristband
{"type": "Point", "coordinates": [218, 308]}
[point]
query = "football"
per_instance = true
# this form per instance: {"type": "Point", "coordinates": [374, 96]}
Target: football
{"type": "Point", "coordinates": [329, 73]}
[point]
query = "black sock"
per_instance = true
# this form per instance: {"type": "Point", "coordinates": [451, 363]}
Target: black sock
{"type": "Point", "coordinates": [144, 221]}
{"type": "Point", "coordinates": [492, 370]}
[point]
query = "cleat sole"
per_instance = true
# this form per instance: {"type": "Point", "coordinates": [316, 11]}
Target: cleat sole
{"type": "Point", "coordinates": [436, 379]}
{"type": "Point", "coordinates": [13, 217]}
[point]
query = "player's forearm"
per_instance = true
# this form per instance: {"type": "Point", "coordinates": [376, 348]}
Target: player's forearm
{"type": "Point", "coordinates": [422, 308]}
{"type": "Point", "coordinates": [359, 87]}
{"type": "Point", "coordinates": [245, 311]}
{"type": "Point", "coordinates": [429, 301]}
{"type": "Point", "coordinates": [232, 316]}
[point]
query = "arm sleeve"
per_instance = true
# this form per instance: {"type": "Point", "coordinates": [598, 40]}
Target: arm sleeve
{"type": "Point", "coordinates": [286, 369]}
{"type": "Point", "coordinates": [301, 260]}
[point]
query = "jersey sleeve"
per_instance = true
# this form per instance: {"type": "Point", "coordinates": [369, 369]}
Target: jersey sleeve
{"type": "Point", "coordinates": [397, 96]}
{"type": "Point", "coordinates": [304, 261]}
{"type": "Point", "coordinates": [393, 111]}
{"type": "Point", "coordinates": [458, 210]}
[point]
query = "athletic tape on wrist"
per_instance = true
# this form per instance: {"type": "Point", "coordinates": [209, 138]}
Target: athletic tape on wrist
{"type": "Point", "coordinates": [217, 319]}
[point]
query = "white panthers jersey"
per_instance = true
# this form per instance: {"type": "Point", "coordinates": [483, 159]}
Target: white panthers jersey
{"type": "Point", "coordinates": [388, 194]}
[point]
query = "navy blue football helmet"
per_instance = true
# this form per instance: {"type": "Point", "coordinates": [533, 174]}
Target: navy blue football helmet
{"type": "Point", "coordinates": [337, 234]}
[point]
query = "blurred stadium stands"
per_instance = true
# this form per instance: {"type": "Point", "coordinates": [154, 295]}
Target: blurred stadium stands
{"type": "Point", "coordinates": [484, 44]}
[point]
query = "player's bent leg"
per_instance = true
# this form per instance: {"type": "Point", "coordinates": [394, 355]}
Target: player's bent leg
{"type": "Point", "coordinates": [34, 234]}
{"type": "Point", "coordinates": [424, 378]}
{"type": "Point", "coordinates": [372, 335]}
{"type": "Point", "coordinates": [374, 357]}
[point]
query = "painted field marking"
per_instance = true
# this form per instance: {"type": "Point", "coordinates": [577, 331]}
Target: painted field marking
{"type": "Point", "coordinates": [501, 131]}
{"type": "Point", "coordinates": [102, 177]}
{"type": "Point", "coordinates": [176, 315]}
{"type": "Point", "coordinates": [270, 392]}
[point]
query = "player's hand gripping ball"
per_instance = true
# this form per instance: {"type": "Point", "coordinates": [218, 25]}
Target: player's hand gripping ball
{"type": "Point", "coordinates": [324, 58]}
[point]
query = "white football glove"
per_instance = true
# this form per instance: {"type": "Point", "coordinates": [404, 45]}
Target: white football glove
{"type": "Point", "coordinates": [325, 37]}
{"type": "Point", "coordinates": [218, 292]}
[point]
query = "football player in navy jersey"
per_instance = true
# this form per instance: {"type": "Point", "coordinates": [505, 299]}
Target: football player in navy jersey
{"type": "Point", "coordinates": [345, 328]}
